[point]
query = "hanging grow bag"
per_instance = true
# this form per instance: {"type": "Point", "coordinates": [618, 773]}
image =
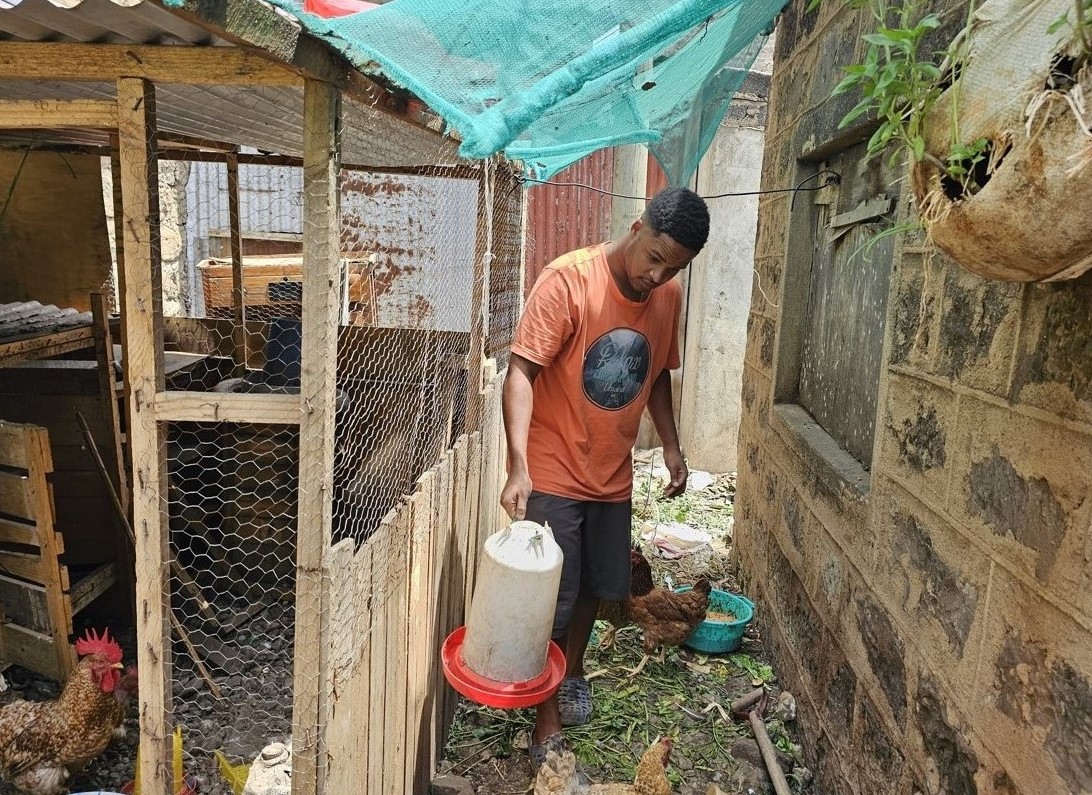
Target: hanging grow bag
{"type": "Point", "coordinates": [1021, 89]}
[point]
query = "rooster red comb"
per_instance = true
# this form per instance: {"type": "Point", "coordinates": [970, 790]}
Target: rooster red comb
{"type": "Point", "coordinates": [92, 643]}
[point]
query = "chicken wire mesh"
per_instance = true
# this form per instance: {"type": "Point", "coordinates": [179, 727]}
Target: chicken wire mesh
{"type": "Point", "coordinates": [430, 281]}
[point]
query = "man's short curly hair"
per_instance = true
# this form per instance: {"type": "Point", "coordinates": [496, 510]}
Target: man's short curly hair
{"type": "Point", "coordinates": [681, 213]}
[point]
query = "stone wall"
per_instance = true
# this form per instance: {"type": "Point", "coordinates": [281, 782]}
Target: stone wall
{"type": "Point", "coordinates": [173, 174]}
{"type": "Point", "coordinates": [932, 614]}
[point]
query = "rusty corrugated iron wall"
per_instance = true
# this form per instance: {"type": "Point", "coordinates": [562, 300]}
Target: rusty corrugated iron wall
{"type": "Point", "coordinates": [560, 219]}
{"type": "Point", "coordinates": [656, 179]}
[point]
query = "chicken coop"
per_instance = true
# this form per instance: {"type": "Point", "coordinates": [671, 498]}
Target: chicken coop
{"type": "Point", "coordinates": [312, 297]}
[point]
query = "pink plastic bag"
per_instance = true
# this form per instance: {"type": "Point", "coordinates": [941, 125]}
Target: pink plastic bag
{"type": "Point", "coordinates": [336, 8]}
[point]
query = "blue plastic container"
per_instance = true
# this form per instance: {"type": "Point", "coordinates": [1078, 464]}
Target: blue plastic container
{"type": "Point", "coordinates": [283, 350]}
{"type": "Point", "coordinates": [718, 637]}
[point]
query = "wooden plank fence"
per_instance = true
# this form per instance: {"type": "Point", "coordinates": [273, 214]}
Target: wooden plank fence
{"type": "Point", "coordinates": [393, 600]}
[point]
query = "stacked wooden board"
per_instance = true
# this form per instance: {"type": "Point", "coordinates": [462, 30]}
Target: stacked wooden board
{"type": "Point", "coordinates": [37, 596]}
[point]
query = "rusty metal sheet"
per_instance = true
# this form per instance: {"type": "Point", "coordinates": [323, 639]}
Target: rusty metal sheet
{"type": "Point", "coordinates": [420, 233]}
{"type": "Point", "coordinates": [563, 218]}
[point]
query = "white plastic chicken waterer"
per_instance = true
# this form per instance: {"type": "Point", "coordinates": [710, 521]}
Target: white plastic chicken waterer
{"type": "Point", "coordinates": [504, 657]}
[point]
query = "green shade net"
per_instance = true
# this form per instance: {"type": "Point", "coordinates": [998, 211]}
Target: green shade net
{"type": "Point", "coordinates": [548, 83]}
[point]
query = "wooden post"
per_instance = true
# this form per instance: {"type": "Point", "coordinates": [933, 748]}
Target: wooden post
{"type": "Point", "coordinates": [479, 301]}
{"type": "Point", "coordinates": [119, 233]}
{"type": "Point", "coordinates": [235, 231]}
{"type": "Point", "coordinates": [104, 352]}
{"type": "Point", "coordinates": [321, 310]}
{"type": "Point", "coordinates": [143, 310]}
{"type": "Point", "coordinates": [630, 178]}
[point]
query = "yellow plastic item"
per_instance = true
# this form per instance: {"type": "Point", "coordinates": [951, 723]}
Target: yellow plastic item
{"type": "Point", "coordinates": [234, 775]}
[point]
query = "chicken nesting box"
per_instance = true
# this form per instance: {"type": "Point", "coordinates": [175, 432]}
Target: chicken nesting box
{"type": "Point", "coordinates": [504, 657]}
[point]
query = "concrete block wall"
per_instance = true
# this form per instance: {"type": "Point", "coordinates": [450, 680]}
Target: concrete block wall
{"type": "Point", "coordinates": [934, 615]}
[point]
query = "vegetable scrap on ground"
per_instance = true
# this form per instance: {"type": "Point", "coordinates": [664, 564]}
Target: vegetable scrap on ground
{"type": "Point", "coordinates": [685, 698]}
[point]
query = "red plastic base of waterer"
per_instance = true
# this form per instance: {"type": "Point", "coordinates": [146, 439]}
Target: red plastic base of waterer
{"type": "Point", "coordinates": [503, 695]}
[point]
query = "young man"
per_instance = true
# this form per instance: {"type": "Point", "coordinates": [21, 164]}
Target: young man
{"type": "Point", "coordinates": [595, 345]}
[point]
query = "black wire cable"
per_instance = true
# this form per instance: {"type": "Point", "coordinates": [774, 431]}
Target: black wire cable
{"type": "Point", "coordinates": [835, 179]}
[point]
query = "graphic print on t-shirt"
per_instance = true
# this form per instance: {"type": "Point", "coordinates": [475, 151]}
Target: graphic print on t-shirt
{"type": "Point", "coordinates": [615, 368]}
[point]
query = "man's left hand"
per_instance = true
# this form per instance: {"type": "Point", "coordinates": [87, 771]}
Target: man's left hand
{"type": "Point", "coordinates": [676, 465]}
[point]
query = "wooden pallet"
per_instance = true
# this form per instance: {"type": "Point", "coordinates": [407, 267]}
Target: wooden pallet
{"type": "Point", "coordinates": [37, 598]}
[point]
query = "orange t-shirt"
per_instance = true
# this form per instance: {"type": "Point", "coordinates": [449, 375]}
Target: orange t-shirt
{"type": "Point", "coordinates": [600, 354]}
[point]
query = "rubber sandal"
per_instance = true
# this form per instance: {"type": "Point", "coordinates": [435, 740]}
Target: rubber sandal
{"type": "Point", "coordinates": [537, 753]}
{"type": "Point", "coordinates": [574, 701]}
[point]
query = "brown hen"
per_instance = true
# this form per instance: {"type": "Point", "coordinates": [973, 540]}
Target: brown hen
{"type": "Point", "coordinates": [557, 776]}
{"type": "Point", "coordinates": [666, 618]}
{"type": "Point", "coordinates": [42, 743]}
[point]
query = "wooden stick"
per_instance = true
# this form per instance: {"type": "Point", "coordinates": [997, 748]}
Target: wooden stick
{"type": "Point", "coordinates": [238, 299]}
{"type": "Point", "coordinates": [769, 755]}
{"type": "Point", "coordinates": [104, 352]}
{"type": "Point", "coordinates": [744, 703]}
{"type": "Point", "coordinates": [201, 669]}
{"type": "Point", "coordinates": [101, 465]}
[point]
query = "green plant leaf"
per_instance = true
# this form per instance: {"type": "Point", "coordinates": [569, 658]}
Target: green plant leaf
{"type": "Point", "coordinates": [861, 109]}
{"type": "Point", "coordinates": [918, 148]}
{"type": "Point", "coordinates": [878, 39]}
{"type": "Point", "coordinates": [846, 83]}
{"type": "Point", "coordinates": [1059, 23]}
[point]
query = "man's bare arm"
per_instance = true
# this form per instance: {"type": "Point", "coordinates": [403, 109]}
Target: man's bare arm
{"type": "Point", "coordinates": [517, 403]}
{"type": "Point", "coordinates": [662, 410]}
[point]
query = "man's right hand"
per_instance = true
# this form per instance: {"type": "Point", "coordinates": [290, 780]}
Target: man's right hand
{"type": "Point", "coordinates": [514, 495]}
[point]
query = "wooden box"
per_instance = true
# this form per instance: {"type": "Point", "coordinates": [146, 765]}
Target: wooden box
{"type": "Point", "coordinates": [273, 287]}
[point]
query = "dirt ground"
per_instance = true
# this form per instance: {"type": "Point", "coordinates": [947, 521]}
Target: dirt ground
{"type": "Point", "coordinates": [678, 699]}
{"type": "Point", "coordinates": [685, 698]}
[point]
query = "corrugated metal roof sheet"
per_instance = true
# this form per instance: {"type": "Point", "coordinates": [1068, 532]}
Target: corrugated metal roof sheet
{"type": "Point", "coordinates": [266, 118]}
{"type": "Point", "coordinates": [26, 318]}
{"type": "Point", "coordinates": [104, 21]}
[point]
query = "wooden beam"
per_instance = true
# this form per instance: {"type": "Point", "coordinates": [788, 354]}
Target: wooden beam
{"type": "Point", "coordinates": [321, 311]}
{"type": "Point", "coordinates": [143, 311]}
{"type": "Point", "coordinates": [238, 302]}
{"type": "Point", "coordinates": [227, 407]}
{"type": "Point", "coordinates": [479, 299]}
{"type": "Point", "coordinates": [210, 155]}
{"type": "Point", "coordinates": [16, 114]}
{"type": "Point", "coordinates": [192, 142]}
{"type": "Point", "coordinates": [194, 65]}
{"type": "Point", "coordinates": [104, 354]}
{"type": "Point", "coordinates": [44, 347]}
